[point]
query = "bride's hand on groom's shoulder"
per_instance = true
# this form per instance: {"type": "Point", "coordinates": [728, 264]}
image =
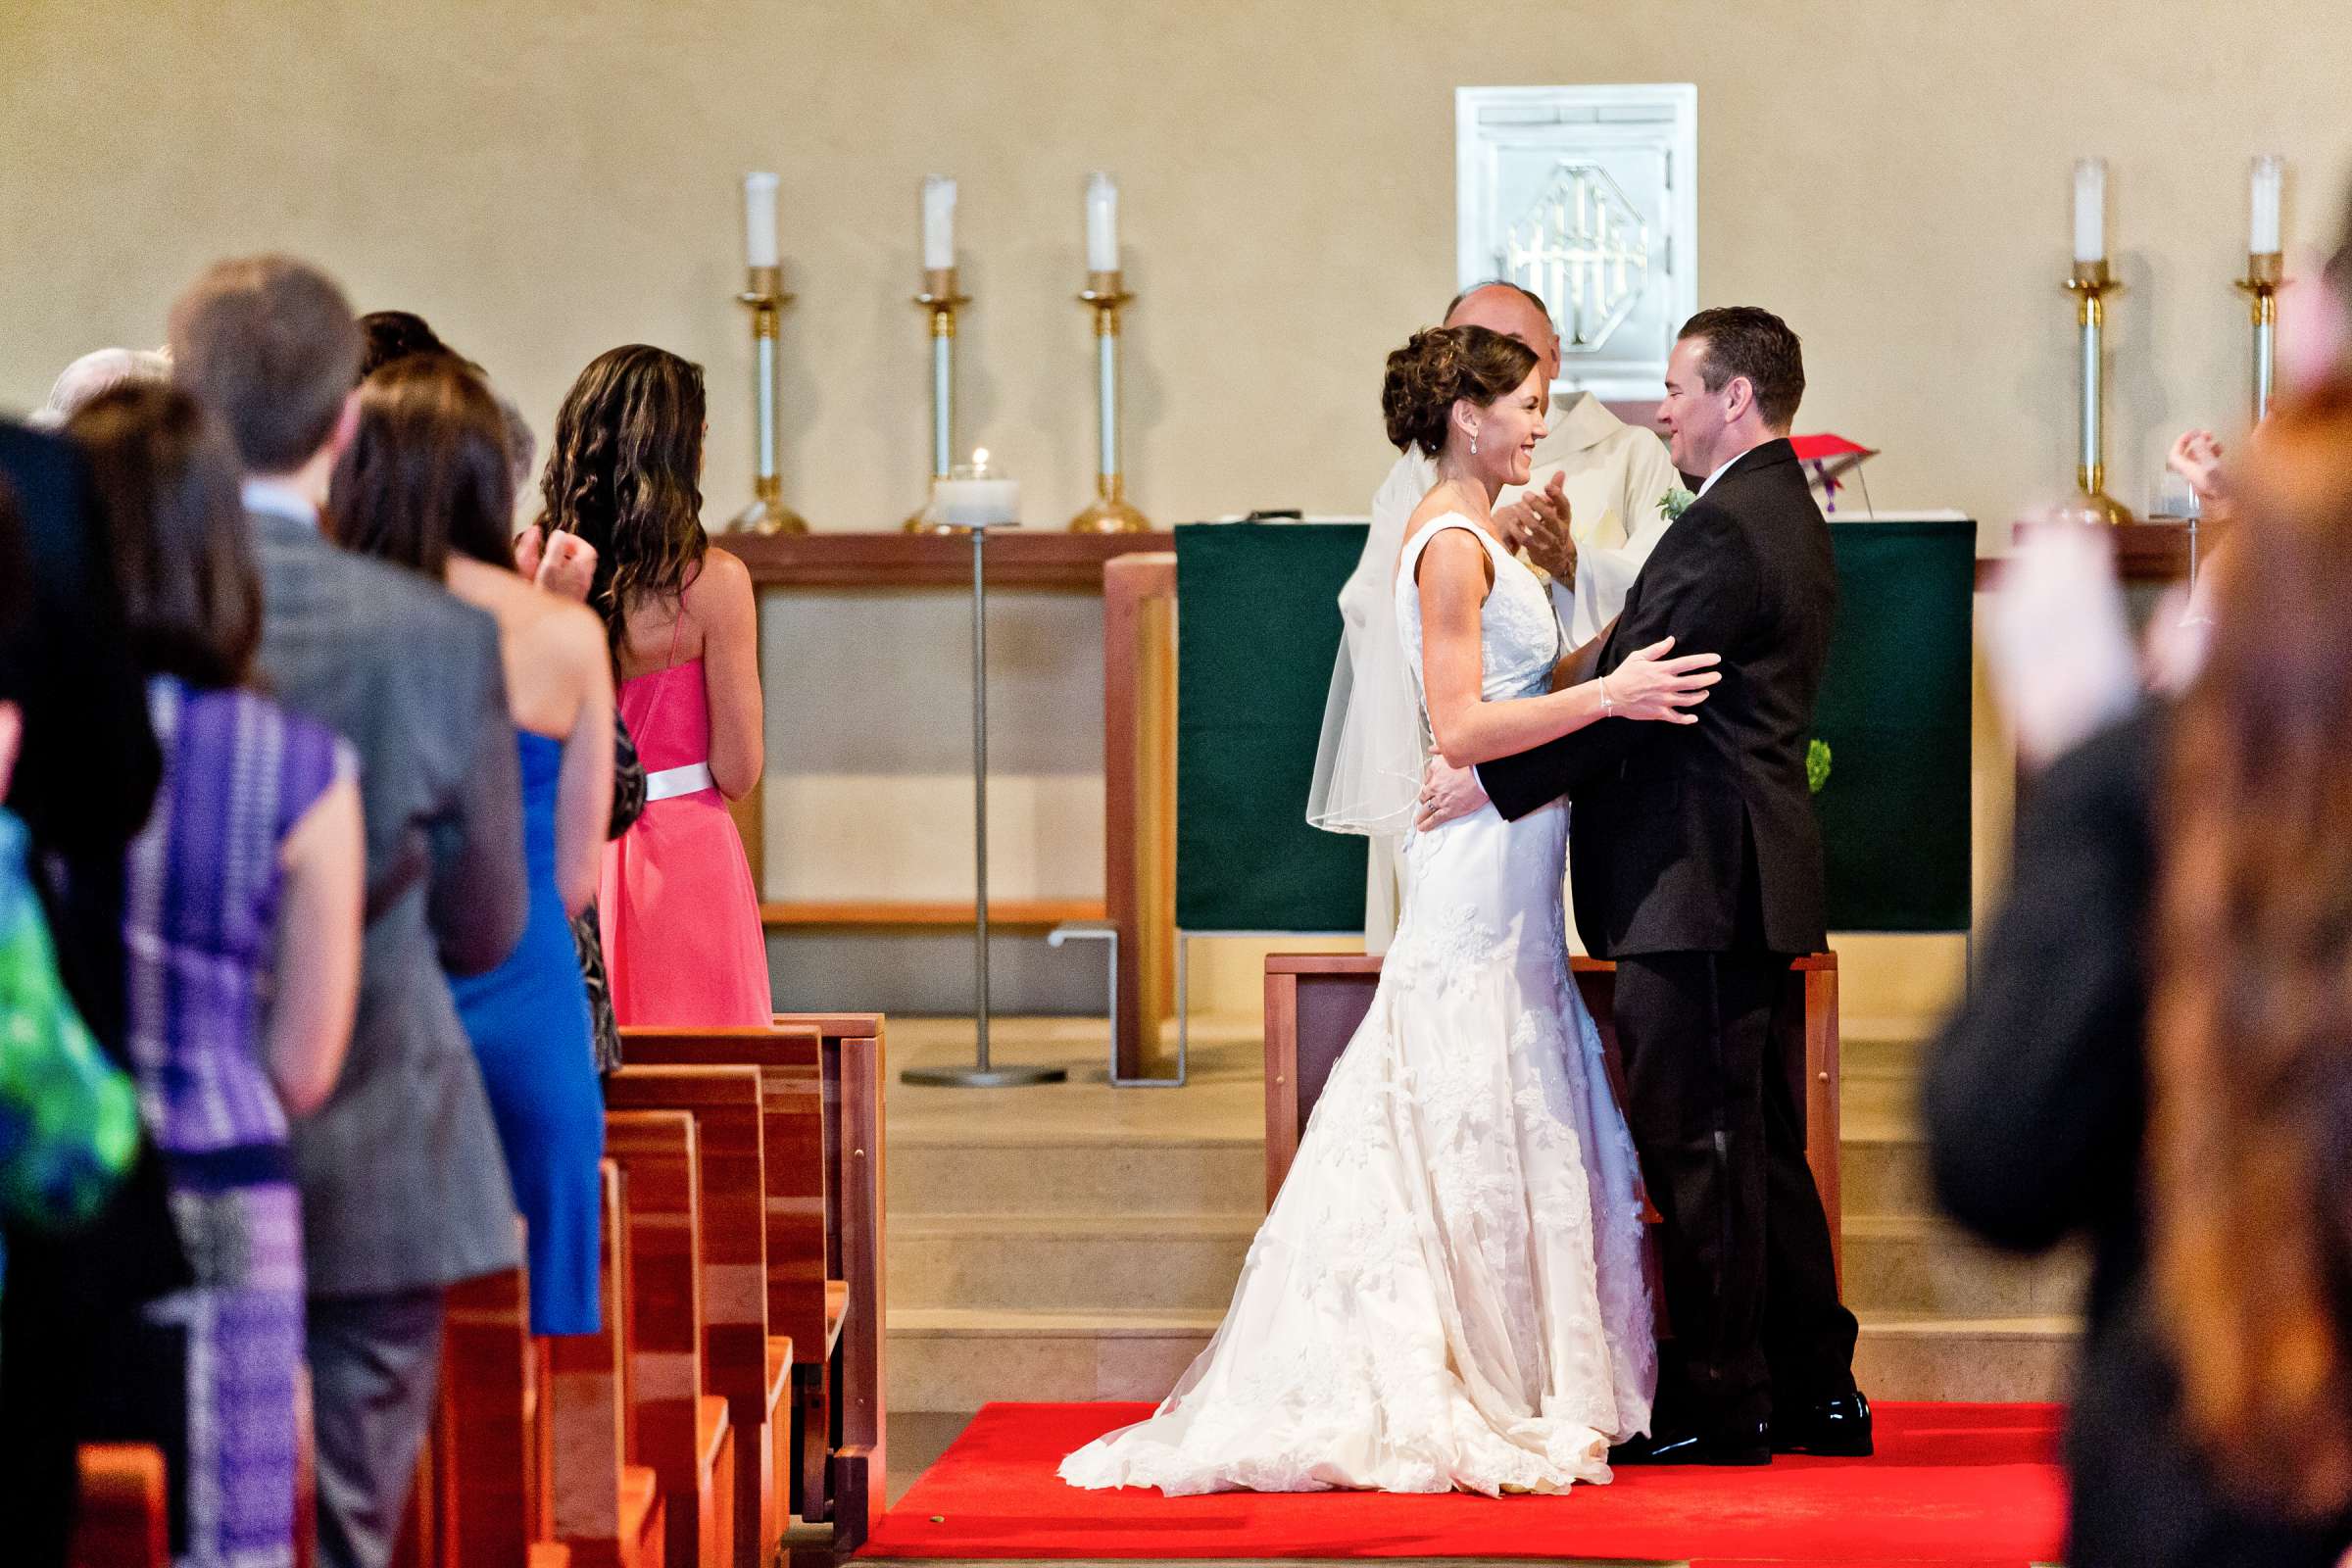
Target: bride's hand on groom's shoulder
{"type": "Point", "coordinates": [1655, 683]}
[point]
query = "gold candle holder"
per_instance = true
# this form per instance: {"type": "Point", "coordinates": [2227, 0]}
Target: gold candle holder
{"type": "Point", "coordinates": [2264, 271]}
{"type": "Point", "coordinates": [768, 513]}
{"type": "Point", "coordinates": [1109, 512]}
{"type": "Point", "coordinates": [941, 299]}
{"type": "Point", "coordinates": [2090, 283]}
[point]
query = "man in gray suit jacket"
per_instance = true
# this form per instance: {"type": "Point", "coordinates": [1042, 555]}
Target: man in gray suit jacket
{"type": "Point", "coordinates": [404, 1187]}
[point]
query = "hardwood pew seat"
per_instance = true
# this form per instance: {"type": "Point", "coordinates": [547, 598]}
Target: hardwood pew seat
{"type": "Point", "coordinates": [820, 1098]}
{"type": "Point", "coordinates": [608, 1508]}
{"type": "Point", "coordinates": [727, 1105]}
{"type": "Point", "coordinates": [122, 1518]}
{"type": "Point", "coordinates": [678, 1432]}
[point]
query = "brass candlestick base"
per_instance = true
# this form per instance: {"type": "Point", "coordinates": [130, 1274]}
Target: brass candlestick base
{"type": "Point", "coordinates": [2090, 283]}
{"type": "Point", "coordinates": [768, 513]}
{"type": "Point", "coordinates": [942, 299]}
{"type": "Point", "coordinates": [1109, 512]}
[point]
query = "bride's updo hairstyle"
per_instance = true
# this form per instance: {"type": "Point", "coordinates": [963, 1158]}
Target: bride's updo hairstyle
{"type": "Point", "coordinates": [1441, 367]}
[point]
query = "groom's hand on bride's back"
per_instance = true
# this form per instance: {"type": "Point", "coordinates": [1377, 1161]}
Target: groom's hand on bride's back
{"type": "Point", "coordinates": [1448, 794]}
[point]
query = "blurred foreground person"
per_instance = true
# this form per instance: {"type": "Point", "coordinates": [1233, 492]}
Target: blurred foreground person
{"type": "Point", "coordinates": [2159, 1055]}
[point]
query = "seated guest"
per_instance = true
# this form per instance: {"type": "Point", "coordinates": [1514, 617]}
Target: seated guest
{"type": "Point", "coordinates": [404, 1190]}
{"type": "Point", "coordinates": [681, 915]}
{"type": "Point", "coordinates": [94, 372]}
{"type": "Point", "coordinates": [242, 922]}
{"type": "Point", "coordinates": [68, 1121]}
{"type": "Point", "coordinates": [84, 781]}
{"type": "Point", "coordinates": [2159, 1055]}
{"type": "Point", "coordinates": [425, 484]}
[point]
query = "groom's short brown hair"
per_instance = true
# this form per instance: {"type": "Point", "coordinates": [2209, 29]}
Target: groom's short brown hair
{"type": "Point", "coordinates": [1747, 340]}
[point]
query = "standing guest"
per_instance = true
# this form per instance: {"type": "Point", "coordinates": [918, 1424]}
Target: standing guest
{"type": "Point", "coordinates": [390, 335]}
{"type": "Point", "coordinates": [94, 372]}
{"type": "Point", "coordinates": [84, 779]}
{"type": "Point", "coordinates": [569, 570]}
{"type": "Point", "coordinates": [2155, 1057]}
{"type": "Point", "coordinates": [68, 1121]}
{"type": "Point", "coordinates": [242, 921]}
{"type": "Point", "coordinates": [681, 917]}
{"type": "Point", "coordinates": [425, 484]}
{"type": "Point", "coordinates": [403, 1191]}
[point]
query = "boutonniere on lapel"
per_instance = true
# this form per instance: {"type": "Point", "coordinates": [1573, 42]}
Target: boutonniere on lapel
{"type": "Point", "coordinates": [1674, 502]}
{"type": "Point", "coordinates": [1816, 765]}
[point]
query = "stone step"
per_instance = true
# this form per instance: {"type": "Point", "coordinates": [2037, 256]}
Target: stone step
{"type": "Point", "coordinates": [947, 1358]}
{"type": "Point", "coordinates": [1068, 1262]}
{"type": "Point", "coordinates": [1188, 1262]}
{"type": "Point", "coordinates": [1883, 1173]}
{"type": "Point", "coordinates": [1063, 1173]}
{"type": "Point", "coordinates": [1907, 1264]}
{"type": "Point", "coordinates": [1902, 1356]}
{"type": "Point", "coordinates": [951, 1359]}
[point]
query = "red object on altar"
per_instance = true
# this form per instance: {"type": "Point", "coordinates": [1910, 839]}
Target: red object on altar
{"type": "Point", "coordinates": [1830, 458]}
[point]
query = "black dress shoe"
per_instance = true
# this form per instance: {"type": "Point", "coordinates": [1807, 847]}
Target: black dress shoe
{"type": "Point", "coordinates": [1831, 1429]}
{"type": "Point", "coordinates": [1744, 1442]}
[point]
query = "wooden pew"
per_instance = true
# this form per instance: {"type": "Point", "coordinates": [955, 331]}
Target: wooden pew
{"type": "Point", "coordinates": [490, 1429]}
{"type": "Point", "coordinates": [122, 1518]}
{"type": "Point", "coordinates": [608, 1508]}
{"type": "Point", "coordinates": [726, 1104]}
{"type": "Point", "coordinates": [853, 1071]}
{"type": "Point", "coordinates": [1314, 1001]}
{"type": "Point", "coordinates": [804, 1307]}
{"type": "Point", "coordinates": [682, 1431]}
{"type": "Point", "coordinates": [822, 1078]}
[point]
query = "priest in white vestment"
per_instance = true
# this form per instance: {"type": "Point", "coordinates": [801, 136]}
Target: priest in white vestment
{"type": "Point", "coordinates": [1603, 477]}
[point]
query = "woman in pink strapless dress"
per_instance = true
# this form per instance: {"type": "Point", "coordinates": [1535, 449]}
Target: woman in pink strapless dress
{"type": "Point", "coordinates": [681, 917]}
{"type": "Point", "coordinates": [679, 909]}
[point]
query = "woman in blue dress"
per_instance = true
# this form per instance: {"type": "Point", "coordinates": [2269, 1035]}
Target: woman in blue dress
{"type": "Point", "coordinates": [425, 484]}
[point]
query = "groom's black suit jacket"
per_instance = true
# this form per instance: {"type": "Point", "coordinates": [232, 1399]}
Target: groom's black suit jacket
{"type": "Point", "coordinates": [1701, 837]}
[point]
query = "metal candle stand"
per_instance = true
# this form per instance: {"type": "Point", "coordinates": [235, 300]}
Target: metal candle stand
{"type": "Point", "coordinates": [768, 513]}
{"type": "Point", "coordinates": [2264, 272]}
{"type": "Point", "coordinates": [941, 299]}
{"type": "Point", "coordinates": [982, 1073]}
{"type": "Point", "coordinates": [1109, 512]}
{"type": "Point", "coordinates": [2090, 283]}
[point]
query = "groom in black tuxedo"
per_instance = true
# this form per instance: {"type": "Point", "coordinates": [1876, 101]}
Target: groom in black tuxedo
{"type": "Point", "coordinates": [1697, 867]}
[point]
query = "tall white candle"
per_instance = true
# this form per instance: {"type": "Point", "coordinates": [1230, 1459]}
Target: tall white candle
{"type": "Point", "coordinates": [760, 219]}
{"type": "Point", "coordinates": [939, 222]}
{"type": "Point", "coordinates": [1101, 223]}
{"type": "Point", "coordinates": [2090, 209]}
{"type": "Point", "coordinates": [2269, 173]}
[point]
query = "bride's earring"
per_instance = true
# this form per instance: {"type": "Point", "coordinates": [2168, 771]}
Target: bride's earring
{"type": "Point", "coordinates": [1474, 443]}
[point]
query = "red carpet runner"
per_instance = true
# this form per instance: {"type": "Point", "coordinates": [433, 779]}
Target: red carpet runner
{"type": "Point", "coordinates": [1953, 1485]}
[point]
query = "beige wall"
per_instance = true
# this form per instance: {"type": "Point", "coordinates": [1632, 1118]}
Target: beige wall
{"type": "Point", "coordinates": [544, 180]}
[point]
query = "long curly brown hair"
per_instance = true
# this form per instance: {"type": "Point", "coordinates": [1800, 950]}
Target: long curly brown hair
{"type": "Point", "coordinates": [2251, 1021]}
{"type": "Point", "coordinates": [624, 473]}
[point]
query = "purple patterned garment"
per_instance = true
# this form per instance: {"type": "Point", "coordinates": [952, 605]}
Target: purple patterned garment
{"type": "Point", "coordinates": [200, 920]}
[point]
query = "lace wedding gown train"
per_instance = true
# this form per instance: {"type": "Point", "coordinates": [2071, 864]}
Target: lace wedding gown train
{"type": "Point", "coordinates": [1448, 1292]}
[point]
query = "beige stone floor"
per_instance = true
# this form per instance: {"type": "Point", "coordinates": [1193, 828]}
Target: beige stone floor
{"type": "Point", "coordinates": [1224, 1099]}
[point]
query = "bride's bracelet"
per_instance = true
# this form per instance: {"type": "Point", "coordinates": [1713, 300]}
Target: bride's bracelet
{"type": "Point", "coordinates": [1607, 703]}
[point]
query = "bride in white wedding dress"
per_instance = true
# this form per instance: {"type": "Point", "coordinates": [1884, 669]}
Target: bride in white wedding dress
{"type": "Point", "coordinates": [1448, 1292]}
